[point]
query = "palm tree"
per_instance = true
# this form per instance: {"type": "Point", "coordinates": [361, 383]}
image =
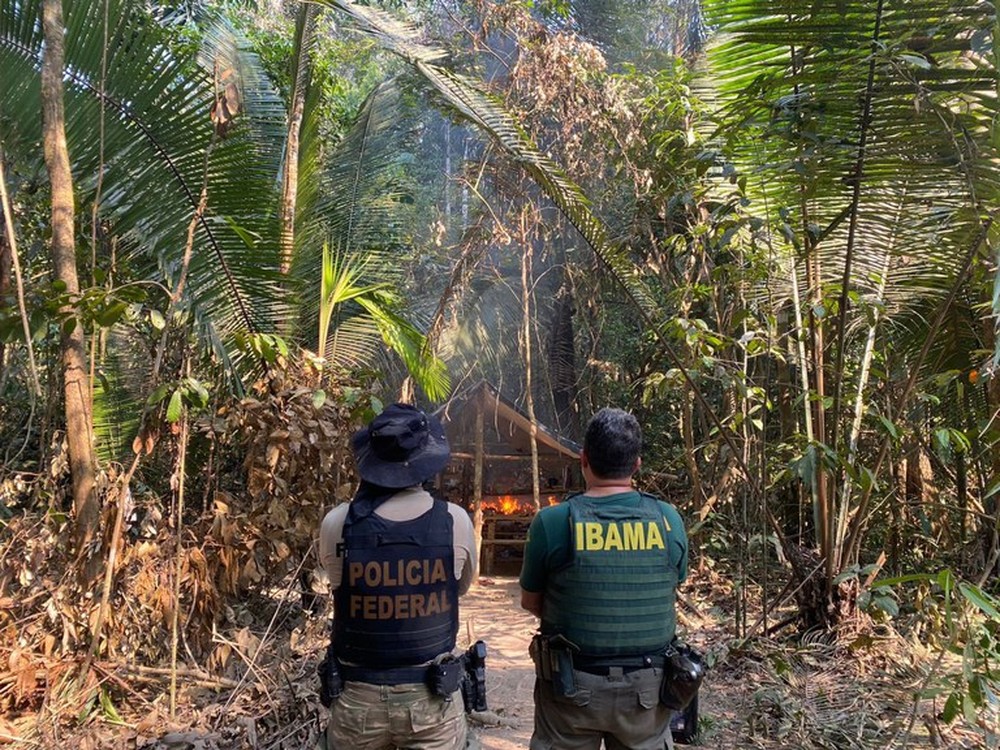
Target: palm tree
{"type": "Point", "coordinates": [863, 133]}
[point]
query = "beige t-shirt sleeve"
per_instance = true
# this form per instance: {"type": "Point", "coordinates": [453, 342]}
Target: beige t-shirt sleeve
{"type": "Point", "coordinates": [403, 506]}
{"type": "Point", "coordinates": [466, 559]}
{"type": "Point", "coordinates": [331, 535]}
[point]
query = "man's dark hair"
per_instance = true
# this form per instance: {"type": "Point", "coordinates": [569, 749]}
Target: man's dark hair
{"type": "Point", "coordinates": [612, 443]}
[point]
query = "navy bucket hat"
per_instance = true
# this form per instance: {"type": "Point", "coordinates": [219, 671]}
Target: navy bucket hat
{"type": "Point", "coordinates": [401, 447]}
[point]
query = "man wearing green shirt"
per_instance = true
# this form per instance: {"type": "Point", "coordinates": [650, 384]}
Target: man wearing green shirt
{"type": "Point", "coordinates": [601, 572]}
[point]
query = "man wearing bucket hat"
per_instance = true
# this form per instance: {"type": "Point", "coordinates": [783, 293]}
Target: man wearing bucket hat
{"type": "Point", "coordinates": [397, 560]}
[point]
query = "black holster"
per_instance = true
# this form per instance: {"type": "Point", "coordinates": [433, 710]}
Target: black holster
{"type": "Point", "coordinates": [683, 673]}
{"type": "Point", "coordinates": [331, 684]}
{"type": "Point", "coordinates": [474, 678]}
{"type": "Point", "coordinates": [553, 657]}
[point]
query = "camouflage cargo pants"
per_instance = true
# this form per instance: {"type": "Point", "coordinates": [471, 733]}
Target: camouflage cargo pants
{"type": "Point", "coordinates": [382, 717]}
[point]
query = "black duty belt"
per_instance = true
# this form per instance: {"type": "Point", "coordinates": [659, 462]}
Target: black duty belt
{"type": "Point", "coordinates": [603, 665]}
{"type": "Point", "coordinates": [396, 676]}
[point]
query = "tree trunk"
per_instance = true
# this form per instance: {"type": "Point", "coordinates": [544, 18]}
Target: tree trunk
{"type": "Point", "coordinates": [74, 358]}
{"type": "Point", "coordinates": [477, 480]}
{"type": "Point", "coordinates": [5, 265]}
{"type": "Point", "coordinates": [789, 500]}
{"type": "Point", "coordinates": [296, 111]}
{"type": "Point", "coordinates": [526, 335]}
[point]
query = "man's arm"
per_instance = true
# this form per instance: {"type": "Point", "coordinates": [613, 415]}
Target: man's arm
{"type": "Point", "coordinates": [533, 568]}
{"type": "Point", "coordinates": [532, 601]}
{"type": "Point", "coordinates": [466, 558]}
{"type": "Point", "coordinates": [331, 538]}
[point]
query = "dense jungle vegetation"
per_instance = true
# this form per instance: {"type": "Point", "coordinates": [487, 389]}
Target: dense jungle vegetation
{"type": "Point", "coordinates": [233, 229]}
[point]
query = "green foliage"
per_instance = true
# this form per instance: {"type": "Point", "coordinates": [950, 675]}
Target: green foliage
{"type": "Point", "coordinates": [186, 392]}
{"type": "Point", "coordinates": [791, 117]}
{"type": "Point", "coordinates": [154, 101]}
{"type": "Point", "coordinates": [971, 617]}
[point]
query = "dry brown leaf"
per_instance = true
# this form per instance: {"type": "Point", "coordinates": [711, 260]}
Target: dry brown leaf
{"type": "Point", "coordinates": [150, 722]}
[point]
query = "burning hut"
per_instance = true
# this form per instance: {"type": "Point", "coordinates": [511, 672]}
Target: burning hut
{"type": "Point", "coordinates": [493, 474]}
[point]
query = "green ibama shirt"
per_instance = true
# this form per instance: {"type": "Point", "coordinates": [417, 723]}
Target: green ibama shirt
{"type": "Point", "coordinates": [607, 569]}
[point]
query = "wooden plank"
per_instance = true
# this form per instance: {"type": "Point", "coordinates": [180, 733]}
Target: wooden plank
{"type": "Point", "coordinates": [491, 456]}
{"type": "Point", "coordinates": [491, 517]}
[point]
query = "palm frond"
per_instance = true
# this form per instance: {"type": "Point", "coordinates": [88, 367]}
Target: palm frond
{"type": "Point", "coordinates": [356, 199]}
{"type": "Point", "coordinates": [118, 396]}
{"type": "Point", "coordinates": [158, 147]}
{"type": "Point", "coordinates": [793, 80]}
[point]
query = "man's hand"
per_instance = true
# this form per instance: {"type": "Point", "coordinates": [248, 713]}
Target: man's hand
{"type": "Point", "coordinates": [532, 601]}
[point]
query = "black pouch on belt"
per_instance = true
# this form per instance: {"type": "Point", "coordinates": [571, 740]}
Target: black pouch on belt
{"type": "Point", "coordinates": [445, 676]}
{"type": "Point", "coordinates": [538, 650]}
{"type": "Point", "coordinates": [682, 676]}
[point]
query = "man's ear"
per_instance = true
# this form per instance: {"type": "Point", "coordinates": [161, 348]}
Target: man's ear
{"type": "Point", "coordinates": [584, 461]}
{"type": "Point", "coordinates": [638, 464]}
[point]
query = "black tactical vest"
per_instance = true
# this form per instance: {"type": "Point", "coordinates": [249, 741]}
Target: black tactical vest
{"type": "Point", "coordinates": [397, 603]}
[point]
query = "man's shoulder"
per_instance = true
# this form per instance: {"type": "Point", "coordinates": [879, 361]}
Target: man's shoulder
{"type": "Point", "coordinates": [665, 504]}
{"type": "Point", "coordinates": [459, 514]}
{"type": "Point", "coordinates": [336, 515]}
{"type": "Point", "coordinates": [553, 516]}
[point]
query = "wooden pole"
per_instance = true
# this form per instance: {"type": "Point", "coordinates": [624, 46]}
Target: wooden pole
{"type": "Point", "coordinates": [530, 401]}
{"type": "Point", "coordinates": [477, 480]}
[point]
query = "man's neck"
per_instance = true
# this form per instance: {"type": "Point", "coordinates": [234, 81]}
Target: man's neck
{"type": "Point", "coordinates": [603, 487]}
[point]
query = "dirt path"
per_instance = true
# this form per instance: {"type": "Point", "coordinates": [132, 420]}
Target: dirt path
{"type": "Point", "coordinates": [492, 611]}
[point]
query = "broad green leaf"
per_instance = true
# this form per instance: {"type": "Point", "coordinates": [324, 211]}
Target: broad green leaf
{"type": "Point", "coordinates": [175, 406]}
{"type": "Point", "coordinates": [987, 604]}
{"type": "Point", "coordinates": [951, 708]}
{"type": "Point", "coordinates": [887, 604]}
{"type": "Point", "coordinates": [946, 580]}
{"type": "Point", "coordinates": [111, 314]}
{"type": "Point", "coordinates": [908, 578]}
{"type": "Point", "coordinates": [158, 394]}
{"type": "Point", "coordinates": [157, 320]}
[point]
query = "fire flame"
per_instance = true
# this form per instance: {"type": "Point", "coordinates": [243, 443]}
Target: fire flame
{"type": "Point", "coordinates": [508, 505]}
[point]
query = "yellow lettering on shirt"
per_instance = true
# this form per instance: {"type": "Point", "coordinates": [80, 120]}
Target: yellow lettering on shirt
{"type": "Point", "coordinates": [594, 532]}
{"type": "Point", "coordinates": [634, 538]}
